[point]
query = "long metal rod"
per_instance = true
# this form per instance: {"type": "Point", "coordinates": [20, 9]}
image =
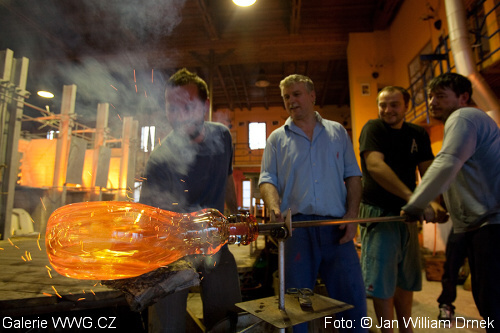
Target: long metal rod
{"type": "Point", "coordinates": [319, 223]}
{"type": "Point", "coordinates": [281, 272]}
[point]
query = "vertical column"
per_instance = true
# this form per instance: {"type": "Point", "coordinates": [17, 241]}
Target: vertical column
{"type": "Point", "coordinates": [64, 139]}
{"type": "Point", "coordinates": [132, 158]}
{"type": "Point", "coordinates": [6, 59]}
{"type": "Point", "coordinates": [11, 108]}
{"type": "Point", "coordinates": [100, 135]}
{"type": "Point", "coordinates": [127, 164]}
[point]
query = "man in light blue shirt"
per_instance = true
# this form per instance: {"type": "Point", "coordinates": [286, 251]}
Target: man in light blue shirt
{"type": "Point", "coordinates": [309, 167]}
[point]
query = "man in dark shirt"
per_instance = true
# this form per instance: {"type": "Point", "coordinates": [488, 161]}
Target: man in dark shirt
{"type": "Point", "coordinates": [190, 170]}
{"type": "Point", "coordinates": [391, 150]}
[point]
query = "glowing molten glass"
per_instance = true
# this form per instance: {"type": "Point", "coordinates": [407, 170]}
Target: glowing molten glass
{"type": "Point", "coordinates": [107, 240]}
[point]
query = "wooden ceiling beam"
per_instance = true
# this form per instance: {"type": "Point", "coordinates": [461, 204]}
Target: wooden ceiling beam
{"type": "Point", "coordinates": [385, 13]}
{"type": "Point", "coordinates": [224, 88]}
{"type": "Point", "coordinates": [295, 17]}
{"type": "Point", "coordinates": [235, 87]}
{"type": "Point", "coordinates": [207, 20]}
{"type": "Point", "coordinates": [329, 73]}
{"type": "Point", "coordinates": [244, 85]}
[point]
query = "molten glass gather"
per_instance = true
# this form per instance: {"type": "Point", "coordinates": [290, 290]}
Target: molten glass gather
{"type": "Point", "coordinates": [107, 240]}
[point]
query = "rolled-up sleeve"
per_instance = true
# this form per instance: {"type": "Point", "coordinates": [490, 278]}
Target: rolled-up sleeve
{"type": "Point", "coordinates": [268, 169]}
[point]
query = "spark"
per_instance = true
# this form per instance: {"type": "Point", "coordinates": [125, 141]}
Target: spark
{"type": "Point", "coordinates": [80, 299]}
{"type": "Point", "coordinates": [1, 248]}
{"type": "Point", "coordinates": [43, 204]}
{"type": "Point", "coordinates": [92, 292]}
{"type": "Point", "coordinates": [134, 76]}
{"type": "Point", "coordinates": [50, 275]}
{"type": "Point", "coordinates": [112, 105]}
{"type": "Point", "coordinates": [175, 203]}
{"type": "Point", "coordinates": [22, 257]}
{"type": "Point", "coordinates": [159, 141]}
{"type": "Point", "coordinates": [48, 267]}
{"type": "Point", "coordinates": [119, 117]}
{"type": "Point", "coordinates": [113, 88]}
{"type": "Point", "coordinates": [32, 220]}
{"type": "Point", "coordinates": [145, 94]}
{"type": "Point", "coordinates": [46, 294]}
{"type": "Point", "coordinates": [12, 243]}
{"type": "Point", "coordinates": [152, 77]}
{"type": "Point", "coordinates": [38, 242]}
{"type": "Point", "coordinates": [56, 292]}
{"type": "Point", "coordinates": [136, 88]}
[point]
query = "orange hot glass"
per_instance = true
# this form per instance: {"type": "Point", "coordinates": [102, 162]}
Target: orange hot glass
{"type": "Point", "coordinates": [107, 240]}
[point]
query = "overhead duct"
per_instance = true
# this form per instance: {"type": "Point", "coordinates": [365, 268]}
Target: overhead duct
{"type": "Point", "coordinates": [482, 95]}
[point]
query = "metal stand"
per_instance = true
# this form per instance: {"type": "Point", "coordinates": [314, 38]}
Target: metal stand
{"type": "Point", "coordinates": [288, 312]}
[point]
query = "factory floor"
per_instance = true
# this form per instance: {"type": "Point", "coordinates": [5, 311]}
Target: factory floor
{"type": "Point", "coordinates": [425, 307]}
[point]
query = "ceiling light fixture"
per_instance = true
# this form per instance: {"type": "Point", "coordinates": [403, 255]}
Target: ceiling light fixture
{"type": "Point", "coordinates": [244, 3]}
{"type": "Point", "coordinates": [262, 80]}
{"type": "Point", "coordinates": [45, 94]}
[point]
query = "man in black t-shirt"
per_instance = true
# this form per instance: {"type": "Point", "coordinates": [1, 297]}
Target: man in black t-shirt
{"type": "Point", "coordinates": [391, 151]}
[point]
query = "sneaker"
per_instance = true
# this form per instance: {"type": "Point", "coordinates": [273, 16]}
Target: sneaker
{"type": "Point", "coordinates": [446, 313]}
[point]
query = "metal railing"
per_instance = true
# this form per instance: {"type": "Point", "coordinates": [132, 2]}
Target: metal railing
{"type": "Point", "coordinates": [419, 111]}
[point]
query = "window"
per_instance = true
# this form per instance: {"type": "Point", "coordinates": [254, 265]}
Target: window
{"type": "Point", "coordinates": [257, 135]}
{"type": "Point", "coordinates": [148, 138]}
{"type": "Point", "coordinates": [51, 135]}
{"type": "Point", "coordinates": [247, 193]}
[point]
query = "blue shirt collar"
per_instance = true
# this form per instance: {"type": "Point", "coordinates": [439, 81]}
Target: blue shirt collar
{"type": "Point", "coordinates": [290, 125]}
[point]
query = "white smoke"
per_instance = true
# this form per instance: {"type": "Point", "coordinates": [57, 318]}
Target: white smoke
{"type": "Point", "coordinates": [125, 79]}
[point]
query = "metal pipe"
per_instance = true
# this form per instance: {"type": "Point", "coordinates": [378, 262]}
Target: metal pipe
{"type": "Point", "coordinates": [304, 224]}
{"type": "Point", "coordinates": [483, 96]}
{"type": "Point", "coordinates": [281, 272]}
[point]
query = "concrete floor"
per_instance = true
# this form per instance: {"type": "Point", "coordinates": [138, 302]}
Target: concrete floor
{"type": "Point", "coordinates": [425, 307]}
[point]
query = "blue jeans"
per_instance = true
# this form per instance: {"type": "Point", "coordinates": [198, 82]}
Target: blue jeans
{"type": "Point", "coordinates": [316, 250]}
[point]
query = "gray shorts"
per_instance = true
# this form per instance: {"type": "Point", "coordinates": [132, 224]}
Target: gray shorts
{"type": "Point", "coordinates": [390, 255]}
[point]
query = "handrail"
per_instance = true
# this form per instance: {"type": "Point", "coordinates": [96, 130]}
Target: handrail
{"type": "Point", "coordinates": [421, 110]}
